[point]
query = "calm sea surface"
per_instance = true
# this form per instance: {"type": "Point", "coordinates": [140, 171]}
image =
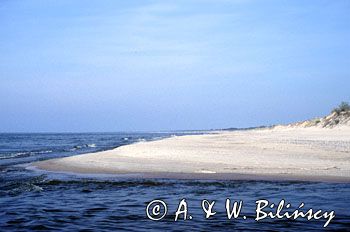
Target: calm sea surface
{"type": "Point", "coordinates": [32, 200]}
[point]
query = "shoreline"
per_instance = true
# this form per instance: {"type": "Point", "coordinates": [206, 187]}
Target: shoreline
{"type": "Point", "coordinates": [197, 176]}
{"type": "Point", "coordinates": [304, 154]}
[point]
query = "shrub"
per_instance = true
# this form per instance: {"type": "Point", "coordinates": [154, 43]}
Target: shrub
{"type": "Point", "coordinates": [344, 106]}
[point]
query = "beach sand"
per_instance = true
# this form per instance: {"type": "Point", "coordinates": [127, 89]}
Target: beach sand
{"type": "Point", "coordinates": [315, 154]}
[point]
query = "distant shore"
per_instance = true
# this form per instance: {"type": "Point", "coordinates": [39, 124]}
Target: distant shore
{"type": "Point", "coordinates": [307, 154]}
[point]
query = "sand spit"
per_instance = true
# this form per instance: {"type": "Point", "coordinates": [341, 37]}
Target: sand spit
{"type": "Point", "coordinates": [311, 153]}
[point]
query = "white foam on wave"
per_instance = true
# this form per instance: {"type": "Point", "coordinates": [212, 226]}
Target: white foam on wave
{"type": "Point", "coordinates": [12, 155]}
{"type": "Point", "coordinates": [19, 154]}
{"type": "Point", "coordinates": [82, 146]}
{"type": "Point", "coordinates": [40, 152]}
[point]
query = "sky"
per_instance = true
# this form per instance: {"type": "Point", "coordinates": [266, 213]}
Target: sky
{"type": "Point", "coordinates": [105, 66]}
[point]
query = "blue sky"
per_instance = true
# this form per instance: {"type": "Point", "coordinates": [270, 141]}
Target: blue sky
{"type": "Point", "coordinates": [166, 65]}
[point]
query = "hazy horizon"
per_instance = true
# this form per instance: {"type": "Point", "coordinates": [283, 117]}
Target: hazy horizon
{"type": "Point", "coordinates": [110, 66]}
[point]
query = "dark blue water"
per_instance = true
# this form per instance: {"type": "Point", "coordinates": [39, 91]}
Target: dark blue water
{"type": "Point", "coordinates": [32, 200]}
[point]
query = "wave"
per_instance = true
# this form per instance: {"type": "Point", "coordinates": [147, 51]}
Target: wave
{"type": "Point", "coordinates": [77, 147]}
{"type": "Point", "coordinates": [41, 152]}
{"type": "Point", "coordinates": [23, 154]}
{"type": "Point", "coordinates": [12, 155]}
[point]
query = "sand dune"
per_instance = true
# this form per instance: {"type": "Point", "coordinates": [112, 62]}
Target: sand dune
{"type": "Point", "coordinates": [280, 153]}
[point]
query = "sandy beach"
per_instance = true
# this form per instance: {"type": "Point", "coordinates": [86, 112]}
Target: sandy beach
{"type": "Point", "coordinates": [280, 153]}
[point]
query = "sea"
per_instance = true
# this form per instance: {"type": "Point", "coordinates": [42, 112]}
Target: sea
{"type": "Point", "coordinates": [35, 200]}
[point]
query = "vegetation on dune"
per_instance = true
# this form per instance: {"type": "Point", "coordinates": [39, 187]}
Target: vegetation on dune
{"type": "Point", "coordinates": [343, 107]}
